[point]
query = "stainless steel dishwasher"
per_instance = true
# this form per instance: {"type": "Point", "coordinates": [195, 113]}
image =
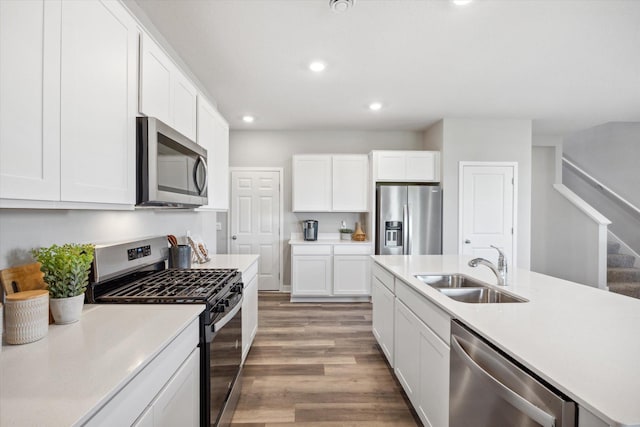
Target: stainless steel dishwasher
{"type": "Point", "coordinates": [487, 389]}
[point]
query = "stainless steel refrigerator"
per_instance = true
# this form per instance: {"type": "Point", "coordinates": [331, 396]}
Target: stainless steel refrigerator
{"type": "Point", "coordinates": [408, 219]}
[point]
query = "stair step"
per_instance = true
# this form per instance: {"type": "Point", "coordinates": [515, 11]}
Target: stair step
{"type": "Point", "coordinates": [624, 275]}
{"type": "Point", "coordinates": [613, 247]}
{"type": "Point", "coordinates": [628, 289]}
{"type": "Point", "coordinates": [620, 260]}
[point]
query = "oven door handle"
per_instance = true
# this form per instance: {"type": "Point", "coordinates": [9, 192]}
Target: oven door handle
{"type": "Point", "coordinates": [227, 317]}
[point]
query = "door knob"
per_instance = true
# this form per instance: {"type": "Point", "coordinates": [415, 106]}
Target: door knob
{"type": "Point", "coordinates": [234, 237]}
{"type": "Point", "coordinates": [467, 241]}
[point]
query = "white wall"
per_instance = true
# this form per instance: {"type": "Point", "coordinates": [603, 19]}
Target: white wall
{"type": "Point", "coordinates": [22, 229]}
{"type": "Point", "coordinates": [483, 140]}
{"type": "Point", "coordinates": [610, 153]}
{"type": "Point", "coordinates": [275, 149]}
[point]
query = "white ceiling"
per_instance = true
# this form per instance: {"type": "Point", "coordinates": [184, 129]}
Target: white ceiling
{"type": "Point", "coordinates": [565, 64]}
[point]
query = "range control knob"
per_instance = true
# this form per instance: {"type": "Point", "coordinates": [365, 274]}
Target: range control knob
{"type": "Point", "coordinates": [226, 303]}
{"type": "Point", "coordinates": [220, 308]}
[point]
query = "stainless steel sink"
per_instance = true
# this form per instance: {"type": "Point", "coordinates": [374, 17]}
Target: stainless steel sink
{"type": "Point", "coordinates": [450, 281]}
{"type": "Point", "coordinates": [467, 289]}
{"type": "Point", "coordinates": [480, 295]}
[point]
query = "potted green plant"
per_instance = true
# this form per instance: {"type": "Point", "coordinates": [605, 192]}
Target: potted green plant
{"type": "Point", "coordinates": [345, 233]}
{"type": "Point", "coordinates": [66, 273]}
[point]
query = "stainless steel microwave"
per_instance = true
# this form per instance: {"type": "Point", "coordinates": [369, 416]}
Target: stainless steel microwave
{"type": "Point", "coordinates": [171, 169]}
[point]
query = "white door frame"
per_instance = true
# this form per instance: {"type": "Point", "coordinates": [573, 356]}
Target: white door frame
{"type": "Point", "coordinates": [514, 241]}
{"type": "Point", "coordinates": [280, 172]}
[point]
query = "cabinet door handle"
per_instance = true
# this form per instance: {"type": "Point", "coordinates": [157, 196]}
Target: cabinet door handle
{"type": "Point", "coordinates": [467, 241]}
{"type": "Point", "coordinates": [234, 237]}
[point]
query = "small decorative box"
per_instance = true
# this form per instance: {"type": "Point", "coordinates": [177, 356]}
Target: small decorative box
{"type": "Point", "coordinates": [26, 316]}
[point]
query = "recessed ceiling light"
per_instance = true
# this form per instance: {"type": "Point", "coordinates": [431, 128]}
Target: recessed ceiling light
{"type": "Point", "coordinates": [317, 66]}
{"type": "Point", "coordinates": [248, 119]}
{"type": "Point", "coordinates": [461, 2]}
{"type": "Point", "coordinates": [375, 106]}
{"type": "Point", "coordinates": [340, 5]}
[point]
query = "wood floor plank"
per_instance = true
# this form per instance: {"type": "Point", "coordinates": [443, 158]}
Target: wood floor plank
{"type": "Point", "coordinates": [318, 364]}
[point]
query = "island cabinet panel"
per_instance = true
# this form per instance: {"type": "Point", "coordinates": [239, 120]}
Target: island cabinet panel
{"type": "Point", "coordinates": [383, 308]}
{"type": "Point", "coordinates": [432, 402]}
{"type": "Point", "coordinates": [407, 350]}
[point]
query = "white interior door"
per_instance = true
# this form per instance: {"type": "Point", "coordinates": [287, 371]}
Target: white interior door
{"type": "Point", "coordinates": [487, 209]}
{"type": "Point", "coordinates": [255, 222]}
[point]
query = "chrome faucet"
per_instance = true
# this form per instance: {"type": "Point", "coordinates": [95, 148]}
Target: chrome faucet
{"type": "Point", "coordinates": [500, 271]}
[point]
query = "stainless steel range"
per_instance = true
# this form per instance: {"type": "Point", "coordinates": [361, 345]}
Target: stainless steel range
{"type": "Point", "coordinates": [135, 273]}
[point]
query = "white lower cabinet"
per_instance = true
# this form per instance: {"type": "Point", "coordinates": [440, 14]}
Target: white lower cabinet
{"type": "Point", "coordinates": [422, 367]}
{"type": "Point", "coordinates": [179, 401]}
{"type": "Point", "coordinates": [411, 332]}
{"type": "Point", "coordinates": [249, 308]}
{"type": "Point", "coordinates": [351, 275]}
{"type": "Point", "coordinates": [311, 275]}
{"type": "Point", "coordinates": [432, 402]}
{"type": "Point", "coordinates": [326, 270]}
{"type": "Point", "coordinates": [383, 303]}
{"type": "Point", "coordinates": [407, 350]}
{"type": "Point", "coordinates": [166, 392]}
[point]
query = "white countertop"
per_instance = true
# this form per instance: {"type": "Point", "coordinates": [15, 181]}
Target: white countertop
{"type": "Point", "coordinates": [65, 377]}
{"type": "Point", "coordinates": [324, 239]}
{"type": "Point", "coordinates": [584, 341]}
{"type": "Point", "coordinates": [239, 261]}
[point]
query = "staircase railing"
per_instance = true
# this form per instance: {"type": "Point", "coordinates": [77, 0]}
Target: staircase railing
{"type": "Point", "coordinates": [624, 215]}
{"type": "Point", "coordinates": [615, 197]}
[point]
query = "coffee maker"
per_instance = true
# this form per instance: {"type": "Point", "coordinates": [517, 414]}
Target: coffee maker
{"type": "Point", "coordinates": [310, 229]}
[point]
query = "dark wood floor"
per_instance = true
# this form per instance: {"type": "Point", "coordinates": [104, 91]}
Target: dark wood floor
{"type": "Point", "coordinates": [318, 364]}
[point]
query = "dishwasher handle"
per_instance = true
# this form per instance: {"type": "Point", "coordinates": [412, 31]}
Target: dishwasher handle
{"type": "Point", "coordinates": [514, 399]}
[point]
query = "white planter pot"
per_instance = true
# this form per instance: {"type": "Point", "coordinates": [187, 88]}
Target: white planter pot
{"type": "Point", "coordinates": [66, 310]}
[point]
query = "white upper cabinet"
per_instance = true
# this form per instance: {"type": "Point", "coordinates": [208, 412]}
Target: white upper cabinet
{"type": "Point", "coordinates": [68, 104]}
{"type": "Point", "coordinates": [406, 166]}
{"type": "Point", "coordinates": [311, 183]}
{"type": "Point", "coordinates": [29, 100]}
{"type": "Point", "coordinates": [98, 102]}
{"type": "Point", "coordinates": [350, 177]}
{"type": "Point", "coordinates": [155, 80]}
{"type": "Point", "coordinates": [213, 134]}
{"type": "Point", "coordinates": [330, 183]}
{"type": "Point", "coordinates": [165, 92]}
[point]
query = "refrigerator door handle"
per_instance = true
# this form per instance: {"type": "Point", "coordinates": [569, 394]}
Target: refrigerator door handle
{"type": "Point", "coordinates": [405, 230]}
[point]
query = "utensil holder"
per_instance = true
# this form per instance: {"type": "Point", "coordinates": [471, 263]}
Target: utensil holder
{"type": "Point", "coordinates": [26, 316]}
{"type": "Point", "coordinates": [180, 256]}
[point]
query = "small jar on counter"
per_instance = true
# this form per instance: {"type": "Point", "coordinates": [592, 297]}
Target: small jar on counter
{"type": "Point", "coordinates": [26, 316]}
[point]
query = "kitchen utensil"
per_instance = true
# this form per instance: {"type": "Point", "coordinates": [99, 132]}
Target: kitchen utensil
{"type": "Point", "coordinates": [180, 256]}
{"type": "Point", "coordinates": [27, 316]}
{"type": "Point", "coordinates": [173, 241]}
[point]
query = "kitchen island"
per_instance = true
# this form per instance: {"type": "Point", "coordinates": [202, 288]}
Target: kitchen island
{"type": "Point", "coordinates": [581, 340]}
{"type": "Point", "coordinates": [105, 369]}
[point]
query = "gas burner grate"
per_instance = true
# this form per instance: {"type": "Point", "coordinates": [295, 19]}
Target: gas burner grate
{"type": "Point", "coordinates": [171, 286]}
